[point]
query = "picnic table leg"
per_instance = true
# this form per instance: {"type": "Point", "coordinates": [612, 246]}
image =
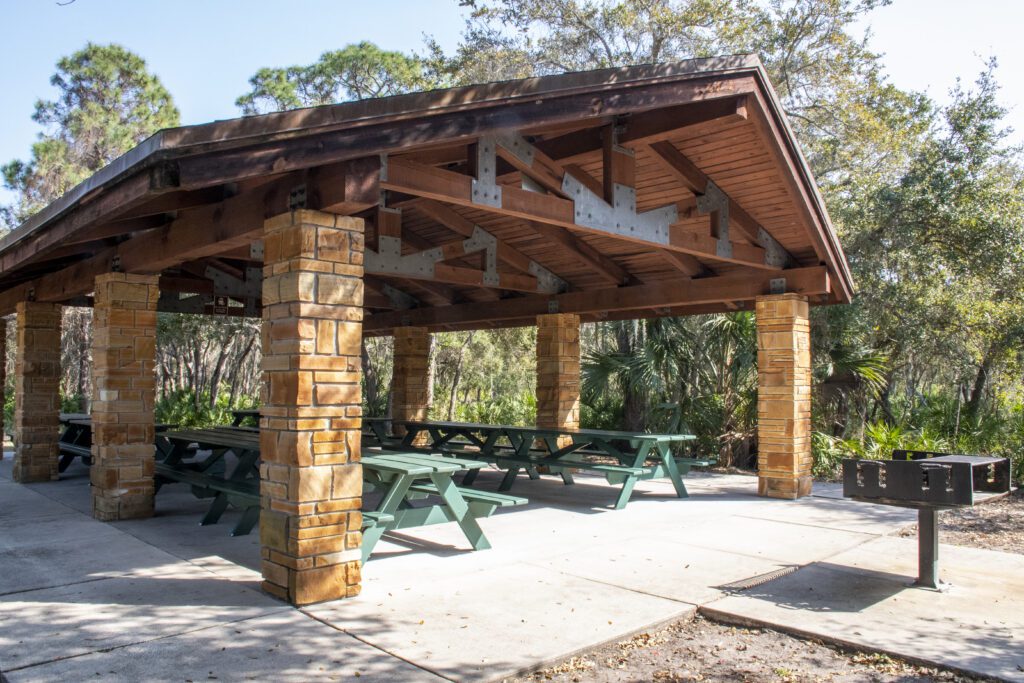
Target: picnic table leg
{"type": "Point", "coordinates": [532, 472]}
{"type": "Point", "coordinates": [509, 478]}
{"type": "Point", "coordinates": [388, 504]}
{"type": "Point", "coordinates": [250, 516]}
{"type": "Point", "coordinates": [457, 504]}
{"type": "Point", "coordinates": [217, 508]}
{"type": "Point", "coordinates": [673, 470]}
{"type": "Point", "coordinates": [469, 477]}
{"type": "Point", "coordinates": [625, 492]}
{"type": "Point", "coordinates": [65, 461]}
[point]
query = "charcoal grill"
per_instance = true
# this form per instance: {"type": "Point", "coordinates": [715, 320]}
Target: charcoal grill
{"type": "Point", "coordinates": [928, 482]}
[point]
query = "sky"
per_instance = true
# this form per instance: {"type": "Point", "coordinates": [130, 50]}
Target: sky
{"type": "Point", "coordinates": [205, 50]}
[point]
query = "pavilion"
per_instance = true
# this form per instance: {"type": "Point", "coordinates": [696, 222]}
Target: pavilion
{"type": "Point", "coordinates": [637, 192]}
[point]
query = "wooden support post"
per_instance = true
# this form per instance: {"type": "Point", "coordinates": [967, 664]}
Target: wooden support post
{"type": "Point", "coordinates": [558, 371]}
{"type": "Point", "coordinates": [124, 390]}
{"type": "Point", "coordinates": [410, 380]}
{"type": "Point", "coordinates": [311, 480]}
{"type": "Point", "coordinates": [784, 396]}
{"type": "Point", "coordinates": [37, 392]}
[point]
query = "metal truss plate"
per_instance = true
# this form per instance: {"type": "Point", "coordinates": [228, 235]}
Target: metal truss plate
{"type": "Point", "coordinates": [229, 285]}
{"type": "Point", "coordinates": [774, 253]}
{"type": "Point", "coordinates": [517, 145]}
{"type": "Point", "coordinates": [400, 299]}
{"type": "Point", "coordinates": [389, 259]}
{"type": "Point", "coordinates": [620, 217]}
{"type": "Point", "coordinates": [485, 189]}
{"type": "Point", "coordinates": [547, 281]}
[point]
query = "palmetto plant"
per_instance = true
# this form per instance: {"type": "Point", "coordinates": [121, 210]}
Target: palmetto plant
{"type": "Point", "coordinates": [699, 372]}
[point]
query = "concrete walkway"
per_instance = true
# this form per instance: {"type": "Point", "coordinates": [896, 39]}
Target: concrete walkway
{"type": "Point", "coordinates": [165, 599]}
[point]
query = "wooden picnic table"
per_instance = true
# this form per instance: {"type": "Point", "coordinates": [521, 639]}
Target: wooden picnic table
{"type": "Point", "coordinates": [405, 479]}
{"type": "Point", "coordinates": [75, 440]}
{"type": "Point", "coordinates": [635, 456]}
{"type": "Point", "coordinates": [209, 477]}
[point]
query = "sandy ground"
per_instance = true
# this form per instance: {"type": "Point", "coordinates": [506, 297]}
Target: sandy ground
{"type": "Point", "coordinates": [998, 525]}
{"type": "Point", "coordinates": [703, 650]}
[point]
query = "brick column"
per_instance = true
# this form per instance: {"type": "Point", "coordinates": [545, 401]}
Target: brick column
{"type": "Point", "coordinates": [784, 396]}
{"type": "Point", "coordinates": [123, 394]}
{"type": "Point", "coordinates": [37, 391]}
{"type": "Point", "coordinates": [311, 488]}
{"type": "Point", "coordinates": [410, 383]}
{"type": "Point", "coordinates": [558, 371]}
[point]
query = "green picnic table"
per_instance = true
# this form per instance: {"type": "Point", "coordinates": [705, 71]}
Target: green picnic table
{"type": "Point", "coordinates": [75, 440]}
{"type": "Point", "coordinates": [634, 456]}
{"type": "Point", "coordinates": [407, 482]}
{"type": "Point", "coordinates": [242, 414]}
{"type": "Point", "coordinates": [209, 476]}
{"type": "Point", "coordinates": [407, 479]}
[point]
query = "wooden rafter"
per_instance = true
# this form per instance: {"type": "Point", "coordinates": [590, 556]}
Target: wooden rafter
{"type": "Point", "coordinates": [665, 293]}
{"type": "Point", "coordinates": [698, 182]}
{"type": "Point", "coordinates": [456, 188]}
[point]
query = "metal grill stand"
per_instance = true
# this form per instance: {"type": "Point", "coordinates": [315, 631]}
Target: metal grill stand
{"type": "Point", "coordinates": [929, 482]}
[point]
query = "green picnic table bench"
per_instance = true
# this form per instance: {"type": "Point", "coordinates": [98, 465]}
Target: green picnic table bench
{"type": "Point", "coordinates": [75, 439]}
{"type": "Point", "coordinates": [627, 457]}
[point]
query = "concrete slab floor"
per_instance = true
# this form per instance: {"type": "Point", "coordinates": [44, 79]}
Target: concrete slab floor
{"type": "Point", "coordinates": [166, 599]}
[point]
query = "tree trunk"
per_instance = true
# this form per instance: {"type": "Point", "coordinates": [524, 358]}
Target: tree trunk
{"type": "Point", "coordinates": [973, 406]}
{"type": "Point", "coordinates": [457, 375]}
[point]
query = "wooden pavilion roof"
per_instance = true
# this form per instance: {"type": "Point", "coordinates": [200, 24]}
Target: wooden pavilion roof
{"type": "Point", "coordinates": [636, 192]}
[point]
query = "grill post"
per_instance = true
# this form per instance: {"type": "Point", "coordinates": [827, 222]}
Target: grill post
{"type": "Point", "coordinates": [927, 548]}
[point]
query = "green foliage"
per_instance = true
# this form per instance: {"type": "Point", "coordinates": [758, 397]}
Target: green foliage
{"type": "Point", "coordinates": [355, 72]}
{"type": "Point", "coordinates": [184, 409]}
{"type": "Point", "coordinates": [107, 102]}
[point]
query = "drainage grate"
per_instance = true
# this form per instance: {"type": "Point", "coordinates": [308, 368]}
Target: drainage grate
{"type": "Point", "coordinates": [760, 579]}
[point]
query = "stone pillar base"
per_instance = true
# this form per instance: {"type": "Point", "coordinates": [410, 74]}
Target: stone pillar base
{"type": "Point", "coordinates": [37, 392]}
{"type": "Point", "coordinates": [124, 394]}
{"type": "Point", "coordinates": [784, 396]}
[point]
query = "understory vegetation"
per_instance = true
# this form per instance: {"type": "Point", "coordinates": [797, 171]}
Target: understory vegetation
{"type": "Point", "coordinates": [927, 196]}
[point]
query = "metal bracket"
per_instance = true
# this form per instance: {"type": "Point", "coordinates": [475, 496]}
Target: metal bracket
{"type": "Point", "coordinates": [383, 168]}
{"type": "Point", "coordinates": [774, 253]}
{"type": "Point", "coordinates": [777, 285]}
{"type": "Point", "coordinates": [30, 295]}
{"type": "Point", "coordinates": [552, 305]}
{"type": "Point", "coordinates": [486, 190]}
{"type": "Point", "coordinates": [714, 201]}
{"type": "Point", "coordinates": [297, 198]}
{"type": "Point", "coordinates": [229, 285]}
{"type": "Point", "coordinates": [400, 299]}
{"type": "Point", "coordinates": [256, 250]}
{"type": "Point", "coordinates": [619, 217]}
{"type": "Point", "coordinates": [546, 280]}
{"type": "Point", "coordinates": [517, 145]}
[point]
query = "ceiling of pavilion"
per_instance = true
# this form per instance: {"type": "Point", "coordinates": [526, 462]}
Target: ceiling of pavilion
{"type": "Point", "coordinates": [636, 192]}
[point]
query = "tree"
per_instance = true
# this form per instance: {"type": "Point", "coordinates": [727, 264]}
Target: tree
{"type": "Point", "coordinates": [355, 72]}
{"type": "Point", "coordinates": [107, 102]}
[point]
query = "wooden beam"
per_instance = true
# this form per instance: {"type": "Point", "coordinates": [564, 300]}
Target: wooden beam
{"type": "Point", "coordinates": [456, 188]}
{"type": "Point", "coordinates": [735, 287]}
{"type": "Point", "coordinates": [584, 253]}
{"type": "Point", "coordinates": [196, 234]}
{"type": "Point", "coordinates": [695, 180]}
{"type": "Point", "coordinates": [454, 221]}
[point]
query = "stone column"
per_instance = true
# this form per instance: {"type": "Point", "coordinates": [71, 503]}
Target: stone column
{"type": "Point", "coordinates": [558, 371]}
{"type": "Point", "coordinates": [3, 383]}
{"type": "Point", "coordinates": [784, 396]}
{"type": "Point", "coordinates": [37, 391]}
{"type": "Point", "coordinates": [123, 395]}
{"type": "Point", "coordinates": [311, 480]}
{"type": "Point", "coordinates": [410, 381]}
